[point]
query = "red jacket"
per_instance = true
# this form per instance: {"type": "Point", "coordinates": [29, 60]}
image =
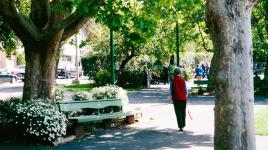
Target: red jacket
{"type": "Point", "coordinates": [179, 89]}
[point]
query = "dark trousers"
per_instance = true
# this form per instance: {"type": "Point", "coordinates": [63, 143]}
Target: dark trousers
{"type": "Point", "coordinates": [180, 110]}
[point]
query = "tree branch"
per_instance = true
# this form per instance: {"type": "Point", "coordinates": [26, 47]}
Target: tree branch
{"type": "Point", "coordinates": [74, 27]}
{"type": "Point", "coordinates": [73, 22]}
{"type": "Point", "coordinates": [72, 18]}
{"type": "Point", "coordinates": [20, 24]}
{"type": "Point", "coordinates": [202, 37]}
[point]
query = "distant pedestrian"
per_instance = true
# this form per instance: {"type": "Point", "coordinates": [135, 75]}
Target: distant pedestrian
{"type": "Point", "coordinates": [198, 72]}
{"type": "Point", "coordinates": [165, 74]}
{"type": "Point", "coordinates": [204, 70]}
{"type": "Point", "coordinates": [179, 97]}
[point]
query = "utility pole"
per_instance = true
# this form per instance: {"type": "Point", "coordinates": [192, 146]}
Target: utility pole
{"type": "Point", "coordinates": [76, 81]}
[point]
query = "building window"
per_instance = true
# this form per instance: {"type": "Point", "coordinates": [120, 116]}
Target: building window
{"type": "Point", "coordinates": [66, 58]}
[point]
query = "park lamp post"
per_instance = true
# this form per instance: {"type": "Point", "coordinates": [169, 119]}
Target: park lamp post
{"type": "Point", "coordinates": [112, 57]}
{"type": "Point", "coordinates": [177, 44]}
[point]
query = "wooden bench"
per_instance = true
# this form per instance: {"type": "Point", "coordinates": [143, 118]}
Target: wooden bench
{"type": "Point", "coordinates": [97, 108]}
{"type": "Point", "coordinates": [8, 78]}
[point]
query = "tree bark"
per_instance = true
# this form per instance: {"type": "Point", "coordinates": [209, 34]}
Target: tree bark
{"type": "Point", "coordinates": [230, 25]}
{"type": "Point", "coordinates": [39, 74]}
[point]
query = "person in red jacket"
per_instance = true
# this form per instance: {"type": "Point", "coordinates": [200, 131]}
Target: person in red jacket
{"type": "Point", "coordinates": [179, 97]}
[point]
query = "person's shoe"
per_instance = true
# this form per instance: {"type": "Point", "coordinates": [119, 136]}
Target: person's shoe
{"type": "Point", "coordinates": [181, 130]}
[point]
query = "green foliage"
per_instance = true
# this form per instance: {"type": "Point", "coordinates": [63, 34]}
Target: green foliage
{"type": "Point", "coordinates": [260, 55]}
{"type": "Point", "coordinates": [94, 63]}
{"type": "Point", "coordinates": [138, 78]}
{"type": "Point", "coordinates": [81, 96]}
{"type": "Point", "coordinates": [102, 77]}
{"type": "Point", "coordinates": [38, 119]}
{"type": "Point", "coordinates": [7, 38]}
{"type": "Point", "coordinates": [109, 92]}
{"type": "Point", "coordinates": [260, 31]}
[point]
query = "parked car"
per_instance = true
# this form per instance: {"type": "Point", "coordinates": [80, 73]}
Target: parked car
{"type": "Point", "coordinates": [6, 71]}
{"type": "Point", "coordinates": [61, 73]}
{"type": "Point", "coordinates": [68, 73]}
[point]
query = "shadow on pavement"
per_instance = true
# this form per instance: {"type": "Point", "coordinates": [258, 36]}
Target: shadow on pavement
{"type": "Point", "coordinates": [130, 139]}
{"type": "Point", "coordinates": [140, 140]}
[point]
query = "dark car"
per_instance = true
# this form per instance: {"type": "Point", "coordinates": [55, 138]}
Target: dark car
{"type": "Point", "coordinates": [62, 73]}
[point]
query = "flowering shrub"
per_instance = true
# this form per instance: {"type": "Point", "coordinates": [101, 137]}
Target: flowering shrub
{"type": "Point", "coordinates": [39, 119]}
{"type": "Point", "coordinates": [109, 92]}
{"type": "Point", "coordinates": [59, 94]}
{"type": "Point", "coordinates": [10, 110]}
{"type": "Point", "coordinates": [80, 96]}
{"type": "Point", "coordinates": [44, 121]}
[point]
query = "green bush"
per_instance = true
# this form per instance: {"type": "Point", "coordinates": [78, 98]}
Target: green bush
{"type": "Point", "coordinates": [94, 63]}
{"type": "Point", "coordinates": [102, 77]}
{"type": "Point", "coordinates": [38, 119]}
{"type": "Point", "coordinates": [109, 92]}
{"type": "Point", "coordinates": [132, 78]}
{"type": "Point", "coordinates": [81, 96]}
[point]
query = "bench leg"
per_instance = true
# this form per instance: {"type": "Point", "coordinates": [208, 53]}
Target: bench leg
{"type": "Point", "coordinates": [76, 129]}
{"type": "Point", "coordinates": [130, 119]}
{"type": "Point", "coordinates": [79, 131]}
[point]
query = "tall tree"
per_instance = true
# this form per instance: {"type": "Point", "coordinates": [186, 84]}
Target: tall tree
{"type": "Point", "coordinates": [230, 25]}
{"type": "Point", "coordinates": [48, 23]}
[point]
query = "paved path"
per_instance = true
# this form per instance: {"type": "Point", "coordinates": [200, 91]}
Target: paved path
{"type": "Point", "coordinates": [158, 129]}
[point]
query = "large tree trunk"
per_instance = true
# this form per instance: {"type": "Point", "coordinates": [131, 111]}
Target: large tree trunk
{"type": "Point", "coordinates": [230, 26]}
{"type": "Point", "coordinates": [39, 79]}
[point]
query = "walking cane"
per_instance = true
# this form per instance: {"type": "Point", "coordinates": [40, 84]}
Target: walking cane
{"type": "Point", "coordinates": [190, 114]}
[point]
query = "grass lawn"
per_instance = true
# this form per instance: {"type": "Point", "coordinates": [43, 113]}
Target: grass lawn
{"type": "Point", "coordinates": [261, 122]}
{"type": "Point", "coordinates": [79, 87]}
{"type": "Point", "coordinates": [88, 87]}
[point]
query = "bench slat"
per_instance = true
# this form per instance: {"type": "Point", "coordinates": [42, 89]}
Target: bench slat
{"type": "Point", "coordinates": [76, 105]}
{"type": "Point", "coordinates": [201, 82]}
{"type": "Point", "coordinates": [92, 118]}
